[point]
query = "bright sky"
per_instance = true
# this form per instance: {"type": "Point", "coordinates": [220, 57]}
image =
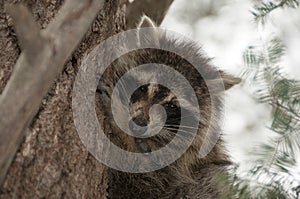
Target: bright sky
{"type": "Point", "coordinates": [224, 36]}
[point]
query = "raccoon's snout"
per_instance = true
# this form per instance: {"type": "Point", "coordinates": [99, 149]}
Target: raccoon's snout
{"type": "Point", "coordinates": [138, 125]}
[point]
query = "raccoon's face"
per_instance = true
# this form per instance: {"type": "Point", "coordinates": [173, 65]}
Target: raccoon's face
{"type": "Point", "coordinates": [156, 110]}
{"type": "Point", "coordinates": [155, 113]}
{"type": "Point", "coordinates": [147, 96]}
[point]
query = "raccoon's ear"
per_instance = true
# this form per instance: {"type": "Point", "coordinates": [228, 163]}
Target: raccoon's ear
{"type": "Point", "coordinates": [147, 36]}
{"type": "Point", "coordinates": [229, 80]}
{"type": "Point", "coordinates": [223, 78]}
{"type": "Point", "coordinates": [146, 22]}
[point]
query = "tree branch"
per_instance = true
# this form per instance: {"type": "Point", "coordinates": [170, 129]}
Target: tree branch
{"type": "Point", "coordinates": [30, 41]}
{"type": "Point", "coordinates": [43, 56]}
{"type": "Point", "coordinates": [155, 9]}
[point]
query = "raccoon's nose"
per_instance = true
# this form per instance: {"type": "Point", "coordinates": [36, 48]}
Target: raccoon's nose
{"type": "Point", "coordinates": [138, 125]}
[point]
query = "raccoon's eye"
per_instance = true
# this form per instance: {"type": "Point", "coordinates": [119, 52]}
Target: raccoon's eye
{"type": "Point", "coordinates": [143, 88]}
{"type": "Point", "coordinates": [102, 91]}
{"type": "Point", "coordinates": [171, 105]}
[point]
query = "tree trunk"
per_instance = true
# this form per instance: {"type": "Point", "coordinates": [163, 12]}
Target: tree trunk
{"type": "Point", "coordinates": [51, 161]}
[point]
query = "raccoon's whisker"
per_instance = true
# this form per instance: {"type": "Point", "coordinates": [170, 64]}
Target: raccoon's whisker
{"type": "Point", "coordinates": [176, 126]}
{"type": "Point", "coordinates": [182, 137]}
{"type": "Point", "coordinates": [176, 129]}
{"type": "Point", "coordinates": [186, 116]}
{"type": "Point", "coordinates": [185, 136]}
{"type": "Point", "coordinates": [189, 127]}
{"type": "Point", "coordinates": [171, 129]}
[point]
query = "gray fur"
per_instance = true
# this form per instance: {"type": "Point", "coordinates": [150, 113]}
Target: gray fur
{"type": "Point", "coordinates": [190, 176]}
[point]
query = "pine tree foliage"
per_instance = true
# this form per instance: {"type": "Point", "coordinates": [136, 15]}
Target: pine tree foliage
{"type": "Point", "coordinates": [273, 175]}
{"type": "Point", "coordinates": [262, 10]}
{"type": "Point", "coordinates": [277, 159]}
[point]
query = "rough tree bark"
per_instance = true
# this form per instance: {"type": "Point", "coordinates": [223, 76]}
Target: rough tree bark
{"type": "Point", "coordinates": [43, 55]}
{"type": "Point", "coordinates": [51, 161]}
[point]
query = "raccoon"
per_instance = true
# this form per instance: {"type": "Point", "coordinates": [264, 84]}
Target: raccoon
{"type": "Point", "coordinates": [190, 176]}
